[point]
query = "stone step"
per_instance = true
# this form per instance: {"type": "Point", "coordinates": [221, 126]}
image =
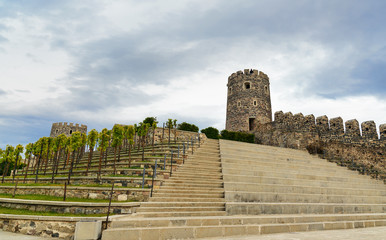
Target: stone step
{"type": "Point", "coordinates": [180, 214]}
{"type": "Point", "coordinates": [197, 171]}
{"type": "Point", "coordinates": [202, 163]}
{"type": "Point", "coordinates": [301, 198]}
{"type": "Point", "coordinates": [193, 180]}
{"type": "Point", "coordinates": [196, 176]}
{"type": "Point", "coordinates": [238, 208]}
{"type": "Point", "coordinates": [182, 204]}
{"type": "Point", "coordinates": [180, 209]}
{"type": "Point", "coordinates": [271, 162]}
{"type": "Point", "coordinates": [305, 189]}
{"type": "Point", "coordinates": [300, 176]}
{"type": "Point", "coordinates": [190, 190]}
{"type": "Point", "coordinates": [299, 179]}
{"type": "Point", "coordinates": [199, 228]}
{"type": "Point", "coordinates": [188, 185]}
{"type": "Point", "coordinates": [189, 195]}
{"type": "Point", "coordinates": [186, 199]}
{"type": "Point", "coordinates": [127, 221]}
{"type": "Point", "coordinates": [267, 166]}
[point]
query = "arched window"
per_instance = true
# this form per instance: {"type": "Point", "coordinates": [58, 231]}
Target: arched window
{"type": "Point", "coordinates": [255, 103]}
{"type": "Point", "coordinates": [266, 89]}
{"type": "Point", "coordinates": [247, 85]}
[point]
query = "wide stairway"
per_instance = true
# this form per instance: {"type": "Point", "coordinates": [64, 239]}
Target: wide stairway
{"type": "Point", "coordinates": [253, 190]}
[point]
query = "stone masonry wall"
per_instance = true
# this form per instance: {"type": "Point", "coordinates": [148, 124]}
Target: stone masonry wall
{"type": "Point", "coordinates": [248, 102]}
{"type": "Point", "coordinates": [67, 129]}
{"type": "Point", "coordinates": [354, 145]}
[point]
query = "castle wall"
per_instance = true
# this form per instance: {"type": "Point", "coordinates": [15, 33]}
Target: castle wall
{"type": "Point", "coordinates": [347, 144]}
{"type": "Point", "coordinates": [248, 102]}
{"type": "Point", "coordinates": [67, 129]}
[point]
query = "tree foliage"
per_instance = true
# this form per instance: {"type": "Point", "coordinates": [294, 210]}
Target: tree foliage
{"type": "Point", "coordinates": [238, 136]}
{"type": "Point", "coordinates": [150, 120]}
{"type": "Point", "coordinates": [211, 132]}
{"type": "Point", "coordinates": [187, 127]}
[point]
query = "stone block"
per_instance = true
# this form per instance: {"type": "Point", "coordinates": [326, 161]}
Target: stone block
{"type": "Point", "coordinates": [122, 197]}
{"type": "Point", "coordinates": [210, 231]}
{"type": "Point", "coordinates": [176, 233]}
{"type": "Point", "coordinates": [267, 229]}
{"type": "Point", "coordinates": [88, 230]}
{"type": "Point", "coordinates": [235, 230]}
{"type": "Point", "coordinates": [92, 196]}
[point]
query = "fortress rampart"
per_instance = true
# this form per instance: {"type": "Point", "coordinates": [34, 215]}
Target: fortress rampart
{"type": "Point", "coordinates": [67, 129]}
{"type": "Point", "coordinates": [353, 144]}
{"type": "Point", "coordinates": [333, 129]}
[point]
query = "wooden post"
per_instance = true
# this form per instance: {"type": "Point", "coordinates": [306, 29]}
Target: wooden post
{"type": "Point", "coordinates": [65, 191]}
{"type": "Point", "coordinates": [108, 210]}
{"type": "Point", "coordinates": [14, 190]}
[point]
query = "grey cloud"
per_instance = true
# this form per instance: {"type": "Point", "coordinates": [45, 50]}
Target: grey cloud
{"type": "Point", "coordinates": [3, 39]}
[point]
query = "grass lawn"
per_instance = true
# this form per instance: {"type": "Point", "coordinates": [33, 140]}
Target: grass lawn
{"type": "Point", "coordinates": [53, 198]}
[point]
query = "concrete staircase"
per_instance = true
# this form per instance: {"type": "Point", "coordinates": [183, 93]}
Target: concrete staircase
{"type": "Point", "coordinates": [196, 189]}
{"type": "Point", "coordinates": [254, 189]}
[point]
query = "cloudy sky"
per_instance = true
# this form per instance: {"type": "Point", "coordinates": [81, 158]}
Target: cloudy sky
{"type": "Point", "coordinates": [105, 62]}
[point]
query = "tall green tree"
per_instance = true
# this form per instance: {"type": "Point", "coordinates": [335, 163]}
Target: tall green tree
{"type": "Point", "coordinates": [38, 152]}
{"type": "Point", "coordinates": [49, 141]}
{"type": "Point", "coordinates": [75, 144]}
{"type": "Point", "coordinates": [91, 142]}
{"type": "Point", "coordinates": [117, 141]}
{"type": "Point", "coordinates": [150, 120]}
{"type": "Point", "coordinates": [154, 127]}
{"type": "Point", "coordinates": [7, 159]}
{"type": "Point", "coordinates": [103, 139]}
{"type": "Point", "coordinates": [28, 155]}
{"type": "Point", "coordinates": [175, 130]}
{"type": "Point", "coordinates": [170, 126]}
{"type": "Point", "coordinates": [142, 132]}
{"type": "Point", "coordinates": [58, 144]}
{"type": "Point", "coordinates": [18, 150]}
{"type": "Point", "coordinates": [130, 139]}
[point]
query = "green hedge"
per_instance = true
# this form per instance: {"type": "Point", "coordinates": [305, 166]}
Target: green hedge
{"type": "Point", "coordinates": [238, 136]}
{"type": "Point", "coordinates": [211, 132]}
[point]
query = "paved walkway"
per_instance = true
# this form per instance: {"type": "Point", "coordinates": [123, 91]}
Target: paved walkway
{"type": "Point", "coordinates": [17, 236]}
{"type": "Point", "coordinates": [374, 233]}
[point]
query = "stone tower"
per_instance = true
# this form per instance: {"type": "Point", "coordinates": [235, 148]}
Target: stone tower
{"type": "Point", "coordinates": [249, 101]}
{"type": "Point", "coordinates": [67, 129]}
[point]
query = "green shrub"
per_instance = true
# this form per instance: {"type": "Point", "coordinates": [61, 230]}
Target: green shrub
{"type": "Point", "coordinates": [187, 127]}
{"type": "Point", "coordinates": [238, 136]}
{"type": "Point", "coordinates": [211, 132]}
{"type": "Point", "coordinates": [150, 120]}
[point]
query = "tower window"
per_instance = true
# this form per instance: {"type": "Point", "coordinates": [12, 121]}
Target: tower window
{"type": "Point", "coordinates": [266, 89]}
{"type": "Point", "coordinates": [239, 104]}
{"type": "Point", "coordinates": [255, 103]}
{"type": "Point", "coordinates": [230, 90]}
{"type": "Point", "coordinates": [247, 85]}
{"type": "Point", "coordinates": [70, 131]}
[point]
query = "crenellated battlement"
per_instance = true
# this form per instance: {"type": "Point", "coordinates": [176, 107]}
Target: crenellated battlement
{"type": "Point", "coordinates": [67, 128]}
{"type": "Point", "coordinates": [249, 72]}
{"type": "Point", "coordinates": [333, 128]}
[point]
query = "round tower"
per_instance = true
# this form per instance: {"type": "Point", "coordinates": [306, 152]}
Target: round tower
{"type": "Point", "coordinates": [249, 101]}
